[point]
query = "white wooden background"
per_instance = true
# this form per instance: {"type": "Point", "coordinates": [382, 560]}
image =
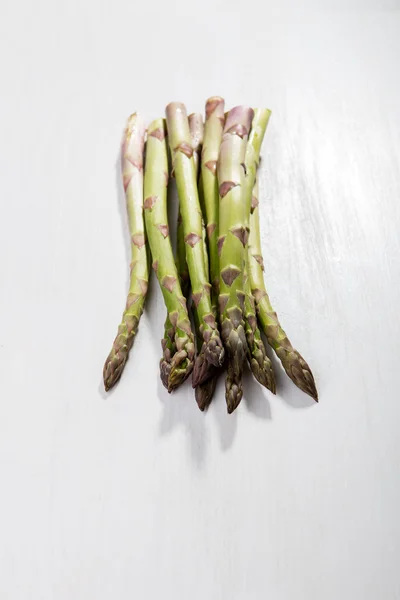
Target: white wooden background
{"type": "Point", "coordinates": [138, 494]}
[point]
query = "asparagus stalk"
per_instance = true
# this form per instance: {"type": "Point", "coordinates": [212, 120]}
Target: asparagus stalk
{"type": "Point", "coordinates": [258, 360]}
{"type": "Point", "coordinates": [196, 129]}
{"type": "Point", "coordinates": [204, 371]}
{"type": "Point", "coordinates": [293, 363]}
{"type": "Point", "coordinates": [178, 344]}
{"type": "Point", "coordinates": [132, 171]}
{"type": "Point", "coordinates": [196, 134]}
{"type": "Point", "coordinates": [185, 175]}
{"type": "Point", "coordinates": [213, 129]}
{"type": "Point", "coordinates": [208, 180]}
{"type": "Point", "coordinates": [231, 247]}
{"type": "Point", "coordinates": [205, 376]}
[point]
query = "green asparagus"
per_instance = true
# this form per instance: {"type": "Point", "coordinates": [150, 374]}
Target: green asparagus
{"type": "Point", "coordinates": [294, 364]}
{"type": "Point", "coordinates": [258, 360]}
{"type": "Point", "coordinates": [231, 247]}
{"type": "Point", "coordinates": [185, 175]}
{"type": "Point", "coordinates": [213, 129]}
{"type": "Point", "coordinates": [178, 344]}
{"type": "Point", "coordinates": [132, 171]}
{"type": "Point", "coordinates": [205, 374]}
{"type": "Point", "coordinates": [196, 134]}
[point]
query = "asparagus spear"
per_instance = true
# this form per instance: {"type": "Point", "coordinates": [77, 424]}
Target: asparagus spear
{"type": "Point", "coordinates": [132, 171]}
{"type": "Point", "coordinates": [294, 364]}
{"type": "Point", "coordinates": [258, 360]}
{"type": "Point", "coordinates": [196, 130]}
{"type": "Point", "coordinates": [185, 175]}
{"type": "Point", "coordinates": [213, 128]}
{"type": "Point", "coordinates": [196, 134]}
{"type": "Point", "coordinates": [231, 246]}
{"type": "Point", "coordinates": [178, 344]}
{"type": "Point", "coordinates": [212, 140]}
{"type": "Point", "coordinates": [196, 137]}
{"type": "Point", "coordinates": [203, 369]}
{"type": "Point", "coordinates": [205, 374]}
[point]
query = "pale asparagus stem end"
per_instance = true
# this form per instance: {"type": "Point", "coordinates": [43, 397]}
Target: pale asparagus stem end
{"type": "Point", "coordinates": [213, 103]}
{"type": "Point", "coordinates": [238, 121]}
{"type": "Point", "coordinates": [196, 127]}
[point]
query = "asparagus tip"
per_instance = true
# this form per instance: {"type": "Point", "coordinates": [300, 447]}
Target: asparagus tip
{"type": "Point", "coordinates": [203, 370]}
{"type": "Point", "coordinates": [112, 371]}
{"type": "Point", "coordinates": [233, 400]}
{"type": "Point", "coordinates": [178, 374]}
{"type": "Point", "coordinates": [299, 371]}
{"type": "Point", "coordinates": [214, 351]}
{"type": "Point", "coordinates": [261, 368]}
{"type": "Point", "coordinates": [205, 392]}
{"type": "Point", "coordinates": [233, 388]}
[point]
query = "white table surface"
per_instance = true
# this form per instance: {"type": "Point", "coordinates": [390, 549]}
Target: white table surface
{"type": "Point", "coordinates": [137, 494]}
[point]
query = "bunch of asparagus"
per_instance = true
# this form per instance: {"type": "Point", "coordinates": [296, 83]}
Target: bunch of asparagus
{"type": "Point", "coordinates": [216, 280]}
